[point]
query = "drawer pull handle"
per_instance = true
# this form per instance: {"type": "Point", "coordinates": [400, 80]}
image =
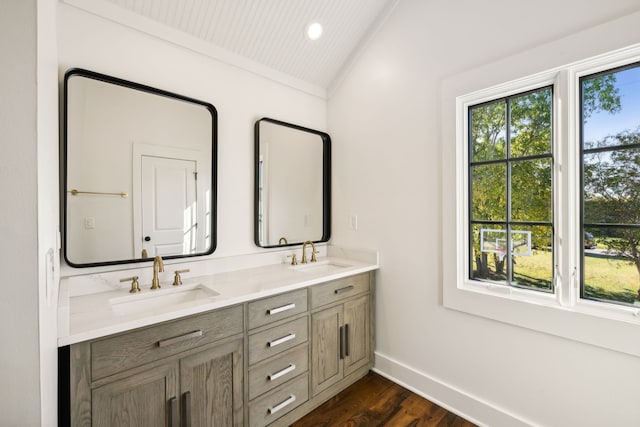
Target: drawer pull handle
{"type": "Point", "coordinates": [346, 340]}
{"type": "Point", "coordinates": [277, 310]}
{"type": "Point", "coordinates": [285, 371]}
{"type": "Point", "coordinates": [282, 405]}
{"type": "Point", "coordinates": [173, 412]}
{"type": "Point", "coordinates": [281, 340]}
{"type": "Point", "coordinates": [345, 289]}
{"type": "Point", "coordinates": [187, 409]}
{"type": "Point", "coordinates": [175, 340]}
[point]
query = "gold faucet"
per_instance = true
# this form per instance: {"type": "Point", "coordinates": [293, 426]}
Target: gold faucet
{"type": "Point", "coordinates": [158, 266]}
{"type": "Point", "coordinates": [304, 252]}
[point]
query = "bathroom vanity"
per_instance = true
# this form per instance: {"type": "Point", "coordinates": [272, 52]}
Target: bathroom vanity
{"type": "Point", "coordinates": [251, 347]}
{"type": "Point", "coordinates": [243, 341]}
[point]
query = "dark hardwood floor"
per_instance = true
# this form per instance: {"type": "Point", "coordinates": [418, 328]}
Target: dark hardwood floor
{"type": "Point", "coordinates": [377, 401]}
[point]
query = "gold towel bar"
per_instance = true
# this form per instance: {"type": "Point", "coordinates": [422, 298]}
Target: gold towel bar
{"type": "Point", "coordinates": [75, 192]}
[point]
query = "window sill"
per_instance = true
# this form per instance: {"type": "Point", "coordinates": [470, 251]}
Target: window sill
{"type": "Point", "coordinates": [613, 328]}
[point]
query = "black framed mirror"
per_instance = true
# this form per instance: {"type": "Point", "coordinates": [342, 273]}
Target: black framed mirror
{"type": "Point", "coordinates": [292, 197]}
{"type": "Point", "coordinates": [139, 172]}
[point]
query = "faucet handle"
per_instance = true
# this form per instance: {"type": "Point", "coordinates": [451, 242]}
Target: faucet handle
{"type": "Point", "coordinates": [294, 260]}
{"type": "Point", "coordinates": [313, 255]}
{"type": "Point", "coordinates": [177, 280]}
{"type": "Point", "coordinates": [135, 286]}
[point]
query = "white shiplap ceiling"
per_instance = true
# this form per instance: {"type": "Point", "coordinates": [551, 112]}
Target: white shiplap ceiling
{"type": "Point", "coordinates": [261, 35]}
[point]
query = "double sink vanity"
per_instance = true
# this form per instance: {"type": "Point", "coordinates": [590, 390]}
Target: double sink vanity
{"type": "Point", "coordinates": [244, 347]}
{"type": "Point", "coordinates": [171, 339]}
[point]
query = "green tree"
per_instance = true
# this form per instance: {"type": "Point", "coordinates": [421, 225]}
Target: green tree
{"type": "Point", "coordinates": [488, 193]}
{"type": "Point", "coordinates": [600, 94]}
{"type": "Point", "coordinates": [612, 194]}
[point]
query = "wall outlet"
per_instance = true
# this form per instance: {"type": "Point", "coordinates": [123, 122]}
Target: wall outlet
{"type": "Point", "coordinates": [353, 222]}
{"type": "Point", "coordinates": [89, 223]}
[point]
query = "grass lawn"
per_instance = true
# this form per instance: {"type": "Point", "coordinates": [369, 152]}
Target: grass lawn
{"type": "Point", "coordinates": [611, 279]}
{"type": "Point", "coordinates": [605, 278]}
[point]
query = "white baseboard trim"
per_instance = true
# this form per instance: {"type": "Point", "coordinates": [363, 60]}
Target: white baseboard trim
{"type": "Point", "coordinates": [452, 399]}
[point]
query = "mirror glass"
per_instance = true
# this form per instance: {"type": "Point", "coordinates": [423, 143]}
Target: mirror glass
{"type": "Point", "coordinates": [139, 172]}
{"type": "Point", "coordinates": [292, 184]}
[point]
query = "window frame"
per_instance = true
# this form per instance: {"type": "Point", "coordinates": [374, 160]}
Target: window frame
{"type": "Point", "coordinates": [463, 104]}
{"type": "Point", "coordinates": [584, 152]}
{"type": "Point", "coordinates": [597, 65]}
{"type": "Point", "coordinates": [562, 313]}
{"type": "Point", "coordinates": [508, 161]}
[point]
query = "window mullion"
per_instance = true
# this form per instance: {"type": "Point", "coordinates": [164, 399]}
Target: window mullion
{"type": "Point", "coordinates": [567, 188]}
{"type": "Point", "coordinates": [509, 255]}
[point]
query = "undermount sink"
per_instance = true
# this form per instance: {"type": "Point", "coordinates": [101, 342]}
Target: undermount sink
{"type": "Point", "coordinates": [326, 266]}
{"type": "Point", "coordinates": [172, 297]}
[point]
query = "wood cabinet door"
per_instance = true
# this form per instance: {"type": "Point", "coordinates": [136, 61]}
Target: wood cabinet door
{"type": "Point", "coordinates": [358, 335]}
{"type": "Point", "coordinates": [326, 362]}
{"type": "Point", "coordinates": [211, 386]}
{"type": "Point", "coordinates": [147, 399]}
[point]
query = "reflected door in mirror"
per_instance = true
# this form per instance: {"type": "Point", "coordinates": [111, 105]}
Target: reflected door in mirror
{"type": "Point", "coordinates": [169, 204]}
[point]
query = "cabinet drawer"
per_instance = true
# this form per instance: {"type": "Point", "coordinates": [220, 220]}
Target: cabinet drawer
{"type": "Point", "coordinates": [275, 308]}
{"type": "Point", "coordinates": [279, 402]}
{"type": "Point", "coordinates": [337, 290]}
{"type": "Point", "coordinates": [276, 340]}
{"type": "Point", "coordinates": [271, 374]}
{"type": "Point", "coordinates": [131, 349]}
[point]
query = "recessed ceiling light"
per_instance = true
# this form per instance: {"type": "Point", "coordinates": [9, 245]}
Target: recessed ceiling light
{"type": "Point", "coordinates": [314, 30]}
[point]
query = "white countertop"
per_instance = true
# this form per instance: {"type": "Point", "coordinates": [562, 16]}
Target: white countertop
{"type": "Point", "coordinates": [87, 316]}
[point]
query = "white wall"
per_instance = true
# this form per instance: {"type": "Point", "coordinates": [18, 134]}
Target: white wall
{"type": "Point", "coordinates": [240, 97]}
{"type": "Point", "coordinates": [28, 185]}
{"type": "Point", "coordinates": [48, 208]}
{"type": "Point", "coordinates": [385, 121]}
{"type": "Point", "coordinates": [18, 186]}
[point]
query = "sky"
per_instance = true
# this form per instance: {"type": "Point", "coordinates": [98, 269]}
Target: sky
{"type": "Point", "coordinates": [601, 124]}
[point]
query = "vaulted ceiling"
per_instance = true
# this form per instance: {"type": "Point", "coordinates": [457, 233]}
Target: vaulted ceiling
{"type": "Point", "coordinates": [259, 34]}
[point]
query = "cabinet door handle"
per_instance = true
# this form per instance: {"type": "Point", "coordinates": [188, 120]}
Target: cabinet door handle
{"type": "Point", "coordinates": [187, 409]}
{"type": "Point", "coordinates": [173, 412]}
{"type": "Point", "coordinates": [281, 340]}
{"type": "Point", "coordinates": [346, 339]}
{"type": "Point", "coordinates": [175, 340]}
{"type": "Point", "coordinates": [277, 310]}
{"type": "Point", "coordinates": [341, 342]}
{"type": "Point", "coordinates": [279, 406]}
{"type": "Point", "coordinates": [285, 371]}
{"type": "Point", "coordinates": [345, 289]}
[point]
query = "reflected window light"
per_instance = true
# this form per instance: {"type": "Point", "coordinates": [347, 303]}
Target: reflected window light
{"type": "Point", "coordinates": [190, 230]}
{"type": "Point", "coordinates": [207, 231]}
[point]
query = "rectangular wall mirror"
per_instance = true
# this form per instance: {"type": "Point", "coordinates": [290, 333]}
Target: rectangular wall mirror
{"type": "Point", "coordinates": [139, 172]}
{"type": "Point", "coordinates": [292, 184]}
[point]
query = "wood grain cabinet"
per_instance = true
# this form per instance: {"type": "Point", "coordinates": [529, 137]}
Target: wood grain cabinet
{"type": "Point", "coordinates": [265, 362]}
{"type": "Point", "coordinates": [278, 356]}
{"type": "Point", "coordinates": [340, 331]}
{"type": "Point", "coordinates": [185, 372]}
{"type": "Point", "coordinates": [144, 399]}
{"type": "Point", "coordinates": [211, 386]}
